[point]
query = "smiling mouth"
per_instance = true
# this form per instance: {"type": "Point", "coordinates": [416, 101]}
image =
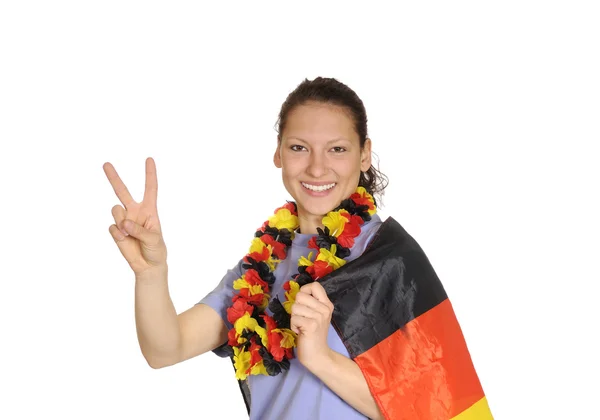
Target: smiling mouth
{"type": "Point", "coordinates": [318, 188]}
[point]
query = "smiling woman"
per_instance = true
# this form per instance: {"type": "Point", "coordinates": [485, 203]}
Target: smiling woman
{"type": "Point", "coordinates": [321, 158]}
{"type": "Point", "coordinates": [332, 313]}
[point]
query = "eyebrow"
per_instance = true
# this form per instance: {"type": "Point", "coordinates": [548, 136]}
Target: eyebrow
{"type": "Point", "coordinates": [329, 142]}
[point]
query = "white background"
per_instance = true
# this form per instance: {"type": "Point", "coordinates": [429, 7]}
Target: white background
{"type": "Point", "coordinates": [485, 118]}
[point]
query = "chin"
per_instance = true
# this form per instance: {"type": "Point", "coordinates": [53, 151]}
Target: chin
{"type": "Point", "coordinates": [318, 206]}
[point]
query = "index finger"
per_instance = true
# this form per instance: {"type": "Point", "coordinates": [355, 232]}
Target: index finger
{"type": "Point", "coordinates": [151, 189]}
{"type": "Point", "coordinates": [316, 289]}
{"type": "Point", "coordinates": [117, 184]}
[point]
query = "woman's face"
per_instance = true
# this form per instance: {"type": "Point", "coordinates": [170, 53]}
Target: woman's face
{"type": "Point", "coordinates": [321, 160]}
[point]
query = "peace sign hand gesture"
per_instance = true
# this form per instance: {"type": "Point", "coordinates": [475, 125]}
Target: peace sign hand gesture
{"type": "Point", "coordinates": [137, 229]}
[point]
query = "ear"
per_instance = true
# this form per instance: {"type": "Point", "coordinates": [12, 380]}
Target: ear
{"type": "Point", "coordinates": [277, 155]}
{"type": "Point", "coordinates": [365, 156]}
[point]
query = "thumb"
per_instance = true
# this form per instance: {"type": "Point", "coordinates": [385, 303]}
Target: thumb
{"type": "Point", "coordinates": [141, 233]}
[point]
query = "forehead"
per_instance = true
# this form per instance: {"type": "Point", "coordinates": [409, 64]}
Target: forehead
{"type": "Point", "coordinates": [319, 121]}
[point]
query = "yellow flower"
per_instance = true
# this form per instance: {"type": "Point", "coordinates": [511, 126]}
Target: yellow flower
{"type": "Point", "coordinates": [257, 246]}
{"type": "Point", "coordinates": [335, 222]}
{"type": "Point", "coordinates": [259, 369]}
{"type": "Point", "coordinates": [284, 219]}
{"type": "Point", "coordinates": [306, 261]}
{"type": "Point", "coordinates": [291, 296]}
{"type": "Point", "coordinates": [256, 290]}
{"type": "Point", "coordinates": [262, 333]}
{"type": "Point", "coordinates": [241, 360]}
{"type": "Point", "coordinates": [245, 322]}
{"type": "Point", "coordinates": [364, 193]}
{"type": "Point", "coordinates": [272, 262]}
{"type": "Point", "coordinates": [241, 283]}
{"type": "Point", "coordinates": [289, 337]}
{"type": "Point", "coordinates": [329, 256]}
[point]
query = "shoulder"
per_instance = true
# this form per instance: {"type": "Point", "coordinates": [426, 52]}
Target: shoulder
{"type": "Point", "coordinates": [369, 230]}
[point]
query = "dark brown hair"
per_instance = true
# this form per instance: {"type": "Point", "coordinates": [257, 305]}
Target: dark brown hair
{"type": "Point", "coordinates": [331, 91]}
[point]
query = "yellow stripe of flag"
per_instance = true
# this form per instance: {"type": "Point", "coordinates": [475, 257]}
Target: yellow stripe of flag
{"type": "Point", "coordinates": [478, 411]}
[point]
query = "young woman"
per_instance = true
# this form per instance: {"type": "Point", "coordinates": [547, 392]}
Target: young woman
{"type": "Point", "coordinates": [332, 313]}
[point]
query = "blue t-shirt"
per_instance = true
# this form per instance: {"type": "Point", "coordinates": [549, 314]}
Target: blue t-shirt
{"type": "Point", "coordinates": [295, 394]}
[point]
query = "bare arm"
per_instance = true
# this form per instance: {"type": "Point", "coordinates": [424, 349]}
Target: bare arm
{"type": "Point", "coordinates": [343, 376]}
{"type": "Point", "coordinates": [165, 338]}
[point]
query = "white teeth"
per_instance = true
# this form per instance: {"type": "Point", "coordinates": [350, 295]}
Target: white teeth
{"type": "Point", "coordinates": [318, 188]}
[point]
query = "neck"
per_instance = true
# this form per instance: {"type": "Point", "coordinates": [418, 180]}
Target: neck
{"type": "Point", "coordinates": [309, 224]}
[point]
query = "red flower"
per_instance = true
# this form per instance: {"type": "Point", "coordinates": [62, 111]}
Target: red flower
{"type": "Point", "coordinates": [264, 256]}
{"type": "Point", "coordinates": [275, 346]}
{"type": "Point", "coordinates": [231, 335]}
{"type": "Point", "coordinates": [238, 309]}
{"type": "Point", "coordinates": [359, 200]}
{"type": "Point", "coordinates": [278, 247]}
{"type": "Point", "coordinates": [357, 220]}
{"type": "Point", "coordinates": [312, 243]}
{"type": "Point", "coordinates": [289, 353]}
{"type": "Point", "coordinates": [322, 268]}
{"type": "Point", "coordinates": [270, 322]}
{"type": "Point", "coordinates": [274, 338]}
{"type": "Point", "coordinates": [254, 354]}
{"type": "Point", "coordinates": [254, 279]}
{"type": "Point", "coordinates": [351, 231]}
{"type": "Point", "coordinates": [244, 295]}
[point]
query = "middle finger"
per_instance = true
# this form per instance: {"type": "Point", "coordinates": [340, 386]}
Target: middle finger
{"type": "Point", "coordinates": [118, 213]}
{"type": "Point", "coordinates": [305, 311]}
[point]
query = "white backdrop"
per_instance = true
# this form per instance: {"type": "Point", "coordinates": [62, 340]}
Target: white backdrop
{"type": "Point", "coordinates": [484, 117]}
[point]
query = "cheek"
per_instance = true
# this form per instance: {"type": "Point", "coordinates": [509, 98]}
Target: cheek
{"type": "Point", "coordinates": [349, 169]}
{"type": "Point", "coordinates": [289, 173]}
{"type": "Point", "coordinates": [291, 166]}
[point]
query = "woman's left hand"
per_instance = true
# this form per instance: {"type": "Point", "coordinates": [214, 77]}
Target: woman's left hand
{"type": "Point", "coordinates": [311, 317]}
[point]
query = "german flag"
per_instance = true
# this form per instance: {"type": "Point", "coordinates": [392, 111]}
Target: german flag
{"type": "Point", "coordinates": [393, 315]}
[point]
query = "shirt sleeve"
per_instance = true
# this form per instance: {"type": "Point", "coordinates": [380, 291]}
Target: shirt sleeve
{"type": "Point", "coordinates": [220, 298]}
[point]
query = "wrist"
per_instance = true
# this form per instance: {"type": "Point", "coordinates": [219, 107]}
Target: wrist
{"type": "Point", "coordinates": [320, 362]}
{"type": "Point", "coordinates": [155, 274]}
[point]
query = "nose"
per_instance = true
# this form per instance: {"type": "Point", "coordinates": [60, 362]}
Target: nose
{"type": "Point", "coordinates": [317, 165]}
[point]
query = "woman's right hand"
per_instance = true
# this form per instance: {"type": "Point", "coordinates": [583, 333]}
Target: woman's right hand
{"type": "Point", "coordinates": [137, 229]}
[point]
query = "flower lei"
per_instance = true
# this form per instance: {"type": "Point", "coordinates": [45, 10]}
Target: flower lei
{"type": "Point", "coordinates": [262, 344]}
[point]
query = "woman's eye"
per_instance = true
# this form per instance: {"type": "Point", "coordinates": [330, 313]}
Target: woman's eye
{"type": "Point", "coordinates": [297, 148]}
{"type": "Point", "coordinates": [338, 149]}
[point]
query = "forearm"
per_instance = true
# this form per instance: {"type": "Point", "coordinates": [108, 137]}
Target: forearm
{"type": "Point", "coordinates": [343, 376]}
{"type": "Point", "coordinates": [156, 319]}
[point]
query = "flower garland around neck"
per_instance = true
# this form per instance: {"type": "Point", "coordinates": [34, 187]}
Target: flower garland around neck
{"type": "Point", "coordinates": [262, 344]}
